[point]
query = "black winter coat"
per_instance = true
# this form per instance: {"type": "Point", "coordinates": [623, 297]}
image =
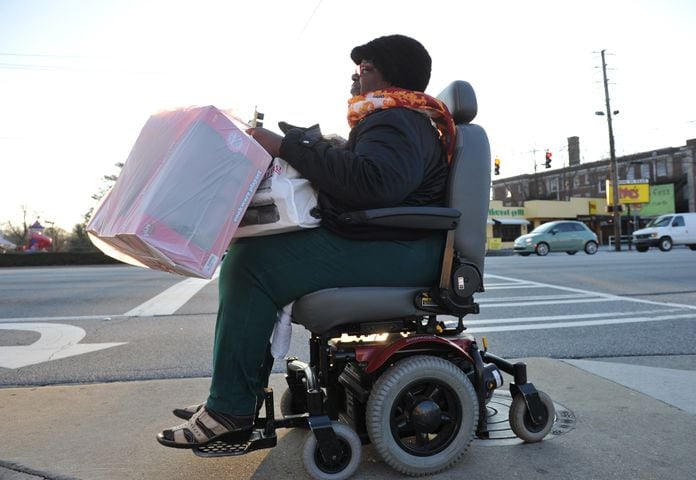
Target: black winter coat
{"type": "Point", "coordinates": [393, 157]}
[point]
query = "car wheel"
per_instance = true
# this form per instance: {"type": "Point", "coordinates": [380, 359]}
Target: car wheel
{"type": "Point", "coordinates": [692, 246]}
{"type": "Point", "coordinates": [645, 249]}
{"type": "Point", "coordinates": [542, 249]}
{"type": "Point", "coordinates": [572, 252]}
{"type": "Point", "coordinates": [591, 248]}
{"type": "Point", "coordinates": [665, 244]}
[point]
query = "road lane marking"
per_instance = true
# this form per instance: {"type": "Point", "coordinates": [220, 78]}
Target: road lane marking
{"type": "Point", "coordinates": [604, 296]}
{"type": "Point", "coordinates": [587, 323]}
{"type": "Point", "coordinates": [56, 341]}
{"type": "Point", "coordinates": [60, 319]}
{"type": "Point", "coordinates": [549, 302]}
{"type": "Point", "coordinates": [552, 318]}
{"type": "Point", "coordinates": [532, 298]}
{"type": "Point", "coordinates": [172, 299]}
{"type": "Point", "coordinates": [510, 286]}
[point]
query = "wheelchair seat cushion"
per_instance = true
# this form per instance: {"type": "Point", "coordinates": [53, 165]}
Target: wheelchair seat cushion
{"type": "Point", "coordinates": [323, 310]}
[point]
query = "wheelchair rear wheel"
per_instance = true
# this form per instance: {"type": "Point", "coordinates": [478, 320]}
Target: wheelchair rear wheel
{"type": "Point", "coordinates": [422, 415]}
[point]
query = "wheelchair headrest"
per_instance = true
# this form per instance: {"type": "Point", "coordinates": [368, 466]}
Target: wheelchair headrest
{"type": "Point", "coordinates": [460, 99]}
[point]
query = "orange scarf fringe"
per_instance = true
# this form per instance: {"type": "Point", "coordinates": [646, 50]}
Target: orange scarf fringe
{"type": "Point", "coordinates": [362, 105]}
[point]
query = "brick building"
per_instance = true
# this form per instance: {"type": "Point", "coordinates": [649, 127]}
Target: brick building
{"type": "Point", "coordinates": [671, 169]}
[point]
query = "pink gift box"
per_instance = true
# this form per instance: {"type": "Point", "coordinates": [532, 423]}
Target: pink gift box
{"type": "Point", "coordinates": [181, 193]}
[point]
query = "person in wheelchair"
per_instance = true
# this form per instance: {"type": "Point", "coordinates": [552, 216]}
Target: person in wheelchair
{"type": "Point", "coordinates": [397, 154]}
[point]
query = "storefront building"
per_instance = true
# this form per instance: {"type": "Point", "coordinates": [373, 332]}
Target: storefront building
{"type": "Point", "coordinates": [505, 224]}
{"type": "Point", "coordinates": [578, 191]}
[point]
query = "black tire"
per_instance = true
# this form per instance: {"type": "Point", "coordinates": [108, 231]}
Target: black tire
{"type": "Point", "coordinates": [692, 246]}
{"type": "Point", "coordinates": [665, 244]}
{"type": "Point", "coordinates": [524, 254]}
{"type": "Point", "coordinates": [286, 405]}
{"type": "Point", "coordinates": [572, 252]}
{"type": "Point", "coordinates": [642, 248]}
{"type": "Point", "coordinates": [343, 467]}
{"type": "Point", "coordinates": [422, 415]}
{"type": "Point", "coordinates": [521, 422]}
{"type": "Point", "coordinates": [591, 247]}
{"type": "Point", "coordinates": [542, 249]}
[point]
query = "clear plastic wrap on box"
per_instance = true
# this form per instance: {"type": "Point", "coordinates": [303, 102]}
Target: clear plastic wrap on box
{"type": "Point", "coordinates": [181, 193]}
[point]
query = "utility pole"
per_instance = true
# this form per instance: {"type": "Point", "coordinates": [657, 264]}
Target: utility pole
{"type": "Point", "coordinates": [614, 169]}
{"type": "Point", "coordinates": [534, 158]}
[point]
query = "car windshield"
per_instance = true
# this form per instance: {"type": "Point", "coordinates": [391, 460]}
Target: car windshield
{"type": "Point", "coordinates": [660, 221]}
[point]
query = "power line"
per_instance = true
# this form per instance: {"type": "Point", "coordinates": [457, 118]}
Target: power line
{"type": "Point", "coordinates": [43, 55]}
{"type": "Point", "coordinates": [309, 20]}
{"type": "Point", "coordinates": [24, 66]}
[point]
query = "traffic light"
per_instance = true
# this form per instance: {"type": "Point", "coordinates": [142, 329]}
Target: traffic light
{"type": "Point", "coordinates": [497, 166]}
{"type": "Point", "coordinates": [257, 120]}
{"type": "Point", "coordinates": [548, 159]}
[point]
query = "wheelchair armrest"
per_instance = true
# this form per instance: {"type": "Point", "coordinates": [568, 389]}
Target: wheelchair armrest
{"type": "Point", "coordinates": [425, 218]}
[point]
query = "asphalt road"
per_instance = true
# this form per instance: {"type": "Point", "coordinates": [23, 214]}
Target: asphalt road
{"type": "Point", "coordinates": [143, 324]}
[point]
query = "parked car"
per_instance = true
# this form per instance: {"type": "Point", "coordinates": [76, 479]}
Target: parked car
{"type": "Point", "coordinates": [667, 230]}
{"type": "Point", "coordinates": [561, 236]}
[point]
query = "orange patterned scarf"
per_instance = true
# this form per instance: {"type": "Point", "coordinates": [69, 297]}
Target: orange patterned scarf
{"type": "Point", "coordinates": [362, 105]}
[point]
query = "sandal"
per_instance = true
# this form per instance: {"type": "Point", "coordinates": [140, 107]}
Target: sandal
{"type": "Point", "coordinates": [204, 427]}
{"type": "Point", "coordinates": [187, 412]}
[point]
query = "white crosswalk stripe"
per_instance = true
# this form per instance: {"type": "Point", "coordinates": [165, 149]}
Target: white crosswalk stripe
{"type": "Point", "coordinates": [496, 300]}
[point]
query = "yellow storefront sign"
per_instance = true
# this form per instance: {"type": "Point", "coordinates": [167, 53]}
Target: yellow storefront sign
{"type": "Point", "coordinates": [630, 191]}
{"type": "Point", "coordinates": [495, 243]}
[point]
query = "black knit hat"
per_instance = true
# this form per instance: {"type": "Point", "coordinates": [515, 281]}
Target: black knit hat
{"type": "Point", "coordinates": [401, 60]}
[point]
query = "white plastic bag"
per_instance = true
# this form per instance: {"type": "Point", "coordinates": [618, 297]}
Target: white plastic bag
{"type": "Point", "coordinates": [282, 332]}
{"type": "Point", "coordinates": [283, 202]}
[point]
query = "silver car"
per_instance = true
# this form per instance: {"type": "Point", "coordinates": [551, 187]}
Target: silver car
{"type": "Point", "coordinates": [561, 236]}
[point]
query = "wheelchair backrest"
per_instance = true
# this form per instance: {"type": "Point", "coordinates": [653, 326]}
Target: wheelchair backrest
{"type": "Point", "coordinates": [470, 174]}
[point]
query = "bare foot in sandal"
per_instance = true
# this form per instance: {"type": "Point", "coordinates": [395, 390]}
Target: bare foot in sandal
{"type": "Point", "coordinates": [203, 427]}
{"type": "Point", "coordinates": [187, 412]}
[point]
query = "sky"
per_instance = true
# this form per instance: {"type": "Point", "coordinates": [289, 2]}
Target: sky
{"type": "Point", "coordinates": [79, 78]}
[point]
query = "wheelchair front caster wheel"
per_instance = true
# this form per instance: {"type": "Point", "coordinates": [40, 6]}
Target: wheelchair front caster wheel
{"type": "Point", "coordinates": [345, 466]}
{"type": "Point", "coordinates": [521, 422]}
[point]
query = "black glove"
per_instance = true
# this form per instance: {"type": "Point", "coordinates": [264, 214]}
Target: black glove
{"type": "Point", "coordinates": [285, 127]}
{"type": "Point", "coordinates": [310, 135]}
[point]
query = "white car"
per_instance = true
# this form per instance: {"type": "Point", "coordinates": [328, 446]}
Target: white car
{"type": "Point", "coordinates": [667, 230]}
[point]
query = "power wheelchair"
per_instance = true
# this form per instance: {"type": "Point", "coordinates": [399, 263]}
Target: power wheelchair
{"type": "Point", "coordinates": [394, 366]}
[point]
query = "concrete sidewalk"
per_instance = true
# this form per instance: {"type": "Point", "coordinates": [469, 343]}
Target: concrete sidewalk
{"type": "Point", "coordinates": [107, 431]}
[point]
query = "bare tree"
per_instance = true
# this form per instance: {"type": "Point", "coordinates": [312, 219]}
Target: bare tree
{"type": "Point", "coordinates": [107, 182]}
{"type": "Point", "coordinates": [59, 237]}
{"type": "Point", "coordinates": [79, 240]}
{"type": "Point", "coordinates": [18, 234]}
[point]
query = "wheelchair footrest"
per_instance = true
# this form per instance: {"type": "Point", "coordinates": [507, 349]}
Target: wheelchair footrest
{"type": "Point", "coordinates": [233, 445]}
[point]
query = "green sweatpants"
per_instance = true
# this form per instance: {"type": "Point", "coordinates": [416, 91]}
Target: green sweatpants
{"type": "Point", "coordinates": [261, 275]}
